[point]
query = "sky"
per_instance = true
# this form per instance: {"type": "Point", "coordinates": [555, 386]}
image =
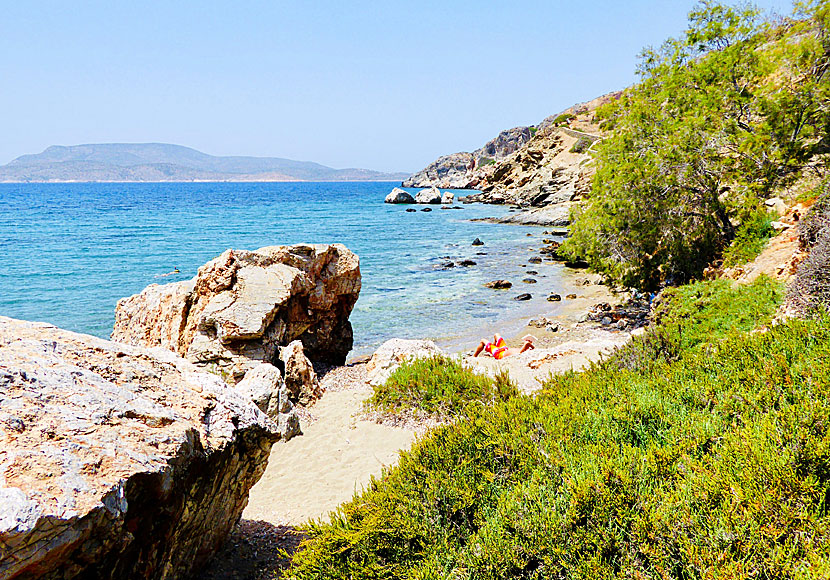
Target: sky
{"type": "Point", "coordinates": [387, 85]}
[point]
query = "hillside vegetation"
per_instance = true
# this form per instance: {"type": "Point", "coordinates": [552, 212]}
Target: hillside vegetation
{"type": "Point", "coordinates": [698, 450]}
{"type": "Point", "coordinates": [723, 117]}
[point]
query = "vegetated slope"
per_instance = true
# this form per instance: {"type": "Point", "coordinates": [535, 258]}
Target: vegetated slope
{"type": "Point", "coordinates": [524, 165]}
{"type": "Point", "coordinates": [165, 162]}
{"type": "Point", "coordinates": [724, 117]}
{"type": "Point", "coordinates": [699, 450]}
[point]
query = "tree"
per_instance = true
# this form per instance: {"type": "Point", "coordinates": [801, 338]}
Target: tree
{"type": "Point", "coordinates": [721, 117]}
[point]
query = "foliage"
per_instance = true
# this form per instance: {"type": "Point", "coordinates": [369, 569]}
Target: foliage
{"type": "Point", "coordinates": [485, 161]}
{"type": "Point", "coordinates": [582, 145]}
{"type": "Point", "coordinates": [809, 292]}
{"type": "Point", "coordinates": [750, 238]}
{"type": "Point", "coordinates": [700, 313]}
{"type": "Point", "coordinates": [715, 465]}
{"type": "Point", "coordinates": [563, 119]}
{"type": "Point", "coordinates": [812, 227]}
{"type": "Point", "coordinates": [720, 118]}
{"type": "Point", "coordinates": [438, 386]}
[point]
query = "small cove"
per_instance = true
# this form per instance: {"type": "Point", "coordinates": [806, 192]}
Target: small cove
{"type": "Point", "coordinates": [72, 250]}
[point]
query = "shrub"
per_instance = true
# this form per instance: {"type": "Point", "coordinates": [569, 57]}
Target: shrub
{"type": "Point", "coordinates": [438, 386]}
{"type": "Point", "coordinates": [485, 161]}
{"type": "Point", "coordinates": [813, 225]}
{"type": "Point", "coordinates": [697, 314]}
{"type": "Point", "coordinates": [716, 465]}
{"type": "Point", "coordinates": [750, 239]}
{"type": "Point", "coordinates": [563, 119]}
{"type": "Point", "coordinates": [582, 145]}
{"type": "Point", "coordinates": [810, 289]}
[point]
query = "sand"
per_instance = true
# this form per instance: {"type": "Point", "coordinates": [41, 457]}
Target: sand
{"type": "Point", "coordinates": [341, 449]}
{"type": "Point", "coordinates": [336, 456]}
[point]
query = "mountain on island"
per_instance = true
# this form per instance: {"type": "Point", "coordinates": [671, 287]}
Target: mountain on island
{"type": "Point", "coordinates": [166, 162]}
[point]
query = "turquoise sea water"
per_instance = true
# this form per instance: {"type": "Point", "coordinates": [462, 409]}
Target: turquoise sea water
{"type": "Point", "coordinates": [72, 250]}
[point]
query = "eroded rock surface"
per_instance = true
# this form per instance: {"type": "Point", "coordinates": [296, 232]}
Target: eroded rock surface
{"type": "Point", "coordinates": [117, 461]}
{"type": "Point", "coordinates": [244, 305]}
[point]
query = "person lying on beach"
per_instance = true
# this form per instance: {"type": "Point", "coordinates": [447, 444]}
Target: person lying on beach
{"type": "Point", "coordinates": [498, 348]}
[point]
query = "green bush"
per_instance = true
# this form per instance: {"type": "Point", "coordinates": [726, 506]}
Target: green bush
{"type": "Point", "coordinates": [715, 465]}
{"type": "Point", "coordinates": [700, 313]}
{"type": "Point", "coordinates": [750, 239]}
{"type": "Point", "coordinates": [563, 119]}
{"type": "Point", "coordinates": [485, 161]}
{"type": "Point", "coordinates": [722, 118]}
{"type": "Point", "coordinates": [438, 386]}
{"type": "Point", "coordinates": [582, 145]}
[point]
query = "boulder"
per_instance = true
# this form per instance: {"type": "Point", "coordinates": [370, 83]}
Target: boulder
{"type": "Point", "coordinates": [524, 296]}
{"type": "Point", "coordinates": [242, 306]}
{"type": "Point", "coordinates": [554, 298]}
{"type": "Point", "coordinates": [393, 352]}
{"type": "Point", "coordinates": [398, 195]}
{"type": "Point", "coordinates": [448, 198]}
{"type": "Point", "coordinates": [478, 242]}
{"type": "Point", "coordinates": [431, 195]}
{"type": "Point", "coordinates": [300, 378]}
{"type": "Point", "coordinates": [467, 263]}
{"type": "Point", "coordinates": [117, 461]}
{"type": "Point", "coordinates": [499, 284]}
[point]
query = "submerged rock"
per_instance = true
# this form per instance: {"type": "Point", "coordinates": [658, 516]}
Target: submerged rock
{"type": "Point", "coordinates": [478, 242]}
{"type": "Point", "coordinates": [117, 461]}
{"type": "Point", "coordinates": [242, 306]}
{"type": "Point", "coordinates": [524, 296]}
{"type": "Point", "coordinates": [393, 353]}
{"type": "Point", "coordinates": [398, 195]}
{"type": "Point", "coordinates": [499, 284]}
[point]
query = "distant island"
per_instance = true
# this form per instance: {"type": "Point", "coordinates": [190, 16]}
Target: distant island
{"type": "Point", "coordinates": [152, 162]}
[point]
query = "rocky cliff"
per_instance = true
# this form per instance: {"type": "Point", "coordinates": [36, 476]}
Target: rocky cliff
{"type": "Point", "coordinates": [543, 166]}
{"type": "Point", "coordinates": [117, 461]}
{"type": "Point", "coordinates": [466, 170]}
{"type": "Point", "coordinates": [243, 307]}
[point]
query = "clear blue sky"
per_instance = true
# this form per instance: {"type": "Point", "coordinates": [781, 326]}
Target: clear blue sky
{"type": "Point", "coordinates": [385, 85]}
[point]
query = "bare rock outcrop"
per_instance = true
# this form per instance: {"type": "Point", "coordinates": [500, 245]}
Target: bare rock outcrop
{"type": "Point", "coordinates": [117, 461]}
{"type": "Point", "coordinates": [466, 170]}
{"type": "Point", "coordinates": [244, 305]}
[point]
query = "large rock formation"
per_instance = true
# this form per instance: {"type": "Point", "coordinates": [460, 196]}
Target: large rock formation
{"type": "Point", "coordinates": [429, 195]}
{"type": "Point", "coordinates": [462, 170]}
{"type": "Point", "coordinates": [117, 461]}
{"type": "Point", "coordinates": [242, 306]}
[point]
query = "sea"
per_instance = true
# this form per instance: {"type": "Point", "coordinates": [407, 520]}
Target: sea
{"type": "Point", "coordinates": [72, 250]}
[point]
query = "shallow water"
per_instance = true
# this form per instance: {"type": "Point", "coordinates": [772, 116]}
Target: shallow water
{"type": "Point", "coordinates": [72, 250]}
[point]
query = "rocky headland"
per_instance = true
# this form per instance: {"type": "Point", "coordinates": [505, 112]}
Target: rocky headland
{"type": "Point", "coordinates": [543, 169]}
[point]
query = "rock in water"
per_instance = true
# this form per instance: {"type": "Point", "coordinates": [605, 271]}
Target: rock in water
{"type": "Point", "coordinates": [242, 306]}
{"type": "Point", "coordinates": [398, 195]}
{"type": "Point", "coordinates": [447, 198]}
{"type": "Point", "coordinates": [499, 284]}
{"type": "Point", "coordinates": [300, 378]}
{"type": "Point", "coordinates": [524, 296]}
{"type": "Point", "coordinates": [117, 461]}
{"type": "Point", "coordinates": [393, 352]}
{"type": "Point", "coordinates": [431, 195]}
